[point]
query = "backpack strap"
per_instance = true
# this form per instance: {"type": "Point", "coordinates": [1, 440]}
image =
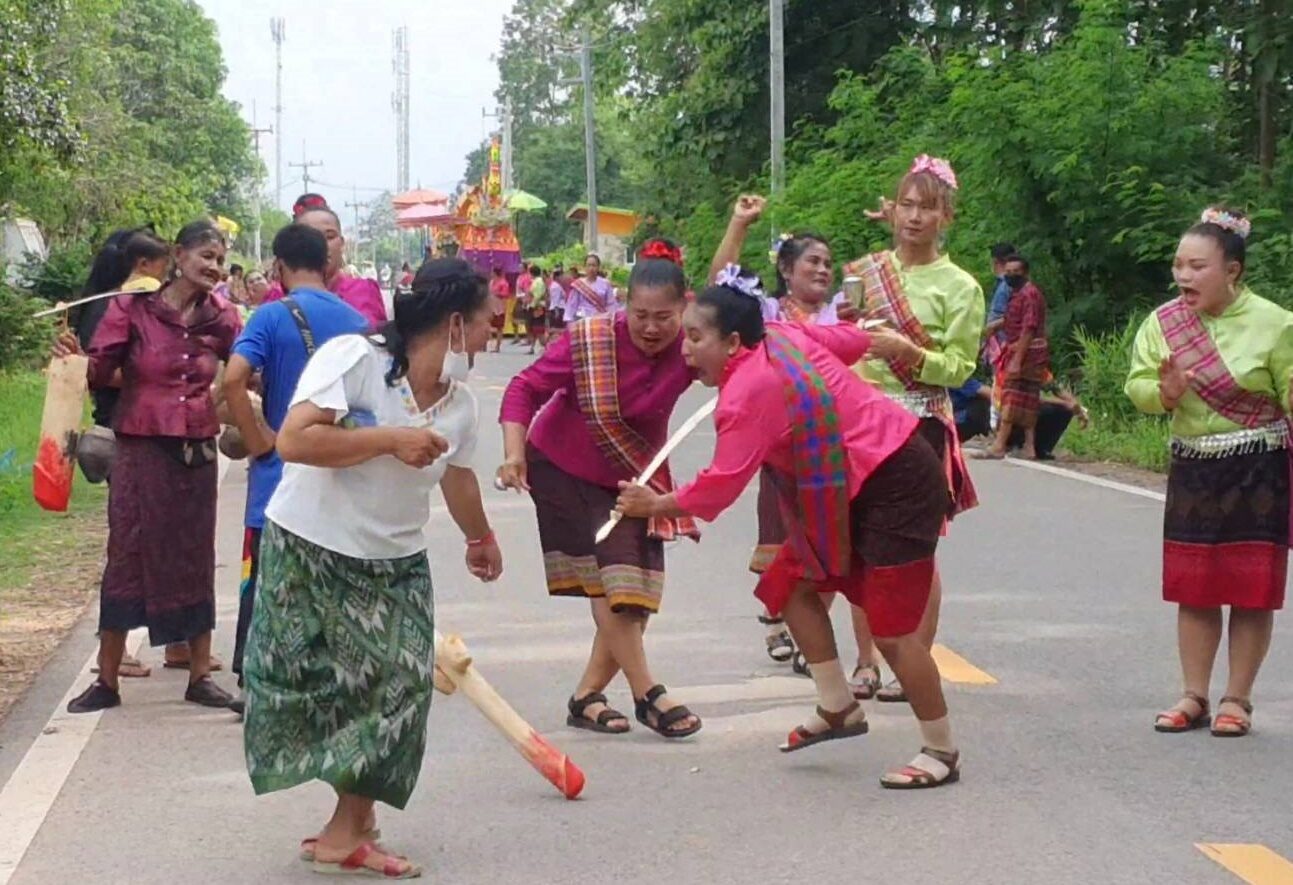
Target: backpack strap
{"type": "Point", "coordinates": [302, 324]}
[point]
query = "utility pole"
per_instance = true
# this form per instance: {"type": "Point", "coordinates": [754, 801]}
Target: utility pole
{"type": "Point", "coordinates": [777, 92]}
{"type": "Point", "coordinates": [400, 100]}
{"type": "Point", "coordinates": [256, 133]}
{"type": "Point", "coordinates": [305, 166]}
{"type": "Point", "coordinates": [590, 136]}
{"type": "Point", "coordinates": [278, 30]}
{"type": "Point", "coordinates": [509, 181]}
{"type": "Point", "coordinates": [356, 205]}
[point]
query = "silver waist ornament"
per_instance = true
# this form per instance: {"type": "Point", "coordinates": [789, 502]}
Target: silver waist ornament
{"type": "Point", "coordinates": [1271, 437]}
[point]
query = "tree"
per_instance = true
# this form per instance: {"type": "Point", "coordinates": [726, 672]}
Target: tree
{"type": "Point", "coordinates": [33, 96]}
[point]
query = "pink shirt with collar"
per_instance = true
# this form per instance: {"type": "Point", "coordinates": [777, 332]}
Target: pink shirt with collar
{"type": "Point", "coordinates": [753, 420]}
{"type": "Point", "coordinates": [362, 294]}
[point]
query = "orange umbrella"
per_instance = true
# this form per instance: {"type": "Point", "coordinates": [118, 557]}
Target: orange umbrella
{"type": "Point", "coordinates": [417, 196]}
{"type": "Point", "coordinates": [425, 215]}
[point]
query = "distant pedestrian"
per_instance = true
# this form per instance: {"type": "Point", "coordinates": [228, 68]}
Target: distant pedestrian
{"type": "Point", "coordinates": [501, 305]}
{"type": "Point", "coordinates": [1024, 362]}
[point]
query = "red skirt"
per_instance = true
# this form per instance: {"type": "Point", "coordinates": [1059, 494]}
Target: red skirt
{"type": "Point", "coordinates": [895, 521]}
{"type": "Point", "coordinates": [1226, 531]}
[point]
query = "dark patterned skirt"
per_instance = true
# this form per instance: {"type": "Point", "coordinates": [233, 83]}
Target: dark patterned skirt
{"type": "Point", "coordinates": [161, 543]}
{"type": "Point", "coordinates": [627, 569]}
{"type": "Point", "coordinates": [1021, 397]}
{"type": "Point", "coordinates": [1226, 531]}
{"type": "Point", "coordinates": [338, 670]}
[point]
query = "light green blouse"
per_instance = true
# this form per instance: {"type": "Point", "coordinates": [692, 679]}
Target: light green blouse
{"type": "Point", "coordinates": [1255, 338]}
{"type": "Point", "coordinates": [949, 304]}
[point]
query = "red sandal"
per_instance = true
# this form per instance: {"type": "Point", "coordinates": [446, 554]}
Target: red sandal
{"type": "Point", "coordinates": [356, 865]}
{"type": "Point", "coordinates": [1178, 721]}
{"type": "Point", "coordinates": [309, 844]}
{"type": "Point", "coordinates": [931, 768]}
{"type": "Point", "coordinates": [839, 728]}
{"type": "Point", "coordinates": [1226, 726]}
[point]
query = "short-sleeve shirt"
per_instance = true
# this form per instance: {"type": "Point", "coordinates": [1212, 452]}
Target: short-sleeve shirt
{"type": "Point", "coordinates": [376, 509]}
{"type": "Point", "coordinates": [272, 344]}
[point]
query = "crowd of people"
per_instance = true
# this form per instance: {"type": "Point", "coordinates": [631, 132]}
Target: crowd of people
{"type": "Point", "coordinates": [864, 395]}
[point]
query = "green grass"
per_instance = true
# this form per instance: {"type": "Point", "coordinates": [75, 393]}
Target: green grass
{"type": "Point", "coordinates": [29, 535]}
{"type": "Point", "coordinates": [1141, 444]}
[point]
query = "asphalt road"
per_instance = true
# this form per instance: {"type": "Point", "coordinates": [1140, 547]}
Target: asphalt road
{"type": "Point", "coordinates": [1051, 591]}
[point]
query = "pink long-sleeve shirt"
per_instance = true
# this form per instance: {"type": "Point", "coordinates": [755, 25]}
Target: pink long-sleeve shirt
{"type": "Point", "coordinates": [362, 294]}
{"type": "Point", "coordinates": [753, 420]}
{"type": "Point", "coordinates": [649, 388]}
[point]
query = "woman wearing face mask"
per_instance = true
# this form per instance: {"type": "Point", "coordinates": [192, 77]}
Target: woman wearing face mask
{"type": "Point", "coordinates": [342, 635]}
{"type": "Point", "coordinates": [934, 322]}
{"type": "Point", "coordinates": [805, 275]}
{"type": "Point", "coordinates": [166, 347]}
{"type": "Point", "coordinates": [1218, 360]}
{"type": "Point", "coordinates": [603, 393]}
{"type": "Point", "coordinates": [862, 498]}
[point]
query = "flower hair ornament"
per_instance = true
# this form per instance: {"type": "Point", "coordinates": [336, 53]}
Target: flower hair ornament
{"type": "Point", "coordinates": [777, 244]}
{"type": "Point", "coordinates": [1236, 224]}
{"type": "Point", "coordinates": [937, 167]}
{"type": "Point", "coordinates": [738, 279]}
{"type": "Point", "coordinates": [661, 249]}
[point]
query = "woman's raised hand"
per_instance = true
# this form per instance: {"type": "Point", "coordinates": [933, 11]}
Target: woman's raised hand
{"type": "Point", "coordinates": [748, 209]}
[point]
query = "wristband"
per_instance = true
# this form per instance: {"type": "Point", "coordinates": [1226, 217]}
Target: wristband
{"type": "Point", "coordinates": [481, 542]}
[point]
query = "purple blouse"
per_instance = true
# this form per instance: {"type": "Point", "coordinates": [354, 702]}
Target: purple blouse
{"type": "Point", "coordinates": [827, 316]}
{"type": "Point", "coordinates": [167, 366]}
{"type": "Point", "coordinates": [649, 388]}
{"type": "Point", "coordinates": [579, 306]}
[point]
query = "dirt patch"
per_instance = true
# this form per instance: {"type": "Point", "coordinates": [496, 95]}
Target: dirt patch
{"type": "Point", "coordinates": [1132, 476]}
{"type": "Point", "coordinates": [39, 606]}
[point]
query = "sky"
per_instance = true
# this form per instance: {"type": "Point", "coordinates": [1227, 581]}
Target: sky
{"type": "Point", "coordinates": [338, 80]}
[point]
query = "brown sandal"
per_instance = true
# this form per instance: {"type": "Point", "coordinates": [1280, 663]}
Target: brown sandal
{"type": "Point", "coordinates": [931, 768]}
{"type": "Point", "coordinates": [864, 689]}
{"type": "Point", "coordinates": [839, 728]}
{"type": "Point", "coordinates": [1178, 721]}
{"type": "Point", "coordinates": [1226, 726]}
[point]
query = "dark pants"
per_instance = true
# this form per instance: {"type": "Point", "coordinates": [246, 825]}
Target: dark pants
{"type": "Point", "coordinates": [246, 596]}
{"type": "Point", "coordinates": [1051, 423]}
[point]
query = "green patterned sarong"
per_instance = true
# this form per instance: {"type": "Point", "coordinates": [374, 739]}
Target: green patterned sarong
{"type": "Point", "coordinates": [338, 670]}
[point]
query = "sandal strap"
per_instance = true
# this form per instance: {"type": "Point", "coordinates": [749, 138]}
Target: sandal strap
{"type": "Point", "coordinates": [654, 694]}
{"type": "Point", "coordinates": [839, 718]}
{"type": "Point", "coordinates": [609, 715]}
{"type": "Point", "coordinates": [770, 622]}
{"type": "Point", "coordinates": [579, 705]}
{"type": "Point", "coordinates": [1198, 699]}
{"type": "Point", "coordinates": [1242, 703]}
{"type": "Point", "coordinates": [671, 717]}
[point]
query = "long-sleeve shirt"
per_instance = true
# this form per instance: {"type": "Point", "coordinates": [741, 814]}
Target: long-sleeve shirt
{"type": "Point", "coordinates": [1026, 315]}
{"type": "Point", "coordinates": [362, 294]}
{"type": "Point", "coordinates": [649, 388]}
{"type": "Point", "coordinates": [873, 426]}
{"type": "Point", "coordinates": [949, 304]}
{"type": "Point", "coordinates": [578, 306]}
{"type": "Point", "coordinates": [167, 365]}
{"type": "Point", "coordinates": [1255, 339]}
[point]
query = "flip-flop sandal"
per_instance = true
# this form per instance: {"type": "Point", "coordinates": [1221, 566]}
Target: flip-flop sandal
{"type": "Point", "coordinates": [130, 668]}
{"type": "Point", "coordinates": [930, 768]}
{"type": "Point", "coordinates": [602, 724]}
{"type": "Point", "coordinates": [215, 666]}
{"type": "Point", "coordinates": [1178, 721]}
{"type": "Point", "coordinates": [892, 693]}
{"type": "Point", "coordinates": [1226, 726]}
{"type": "Point", "coordinates": [864, 689]}
{"type": "Point", "coordinates": [308, 845]}
{"type": "Point", "coordinates": [394, 868]}
{"type": "Point", "coordinates": [801, 738]}
{"type": "Point", "coordinates": [664, 719]}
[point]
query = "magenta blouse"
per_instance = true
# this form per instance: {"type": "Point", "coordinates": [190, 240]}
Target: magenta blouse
{"type": "Point", "coordinates": [649, 388]}
{"type": "Point", "coordinates": [362, 294]}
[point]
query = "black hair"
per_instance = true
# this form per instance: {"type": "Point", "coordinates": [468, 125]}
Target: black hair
{"type": "Point", "coordinates": [535, 270]}
{"type": "Point", "coordinates": [235, 269]}
{"type": "Point", "coordinates": [301, 247]}
{"type": "Point", "coordinates": [198, 233]}
{"type": "Point", "coordinates": [735, 311]}
{"type": "Point", "coordinates": [1002, 251]}
{"type": "Point", "coordinates": [658, 273]}
{"type": "Point", "coordinates": [109, 270]}
{"type": "Point", "coordinates": [595, 257]}
{"type": "Point", "coordinates": [1016, 258]}
{"type": "Point", "coordinates": [1234, 246]}
{"type": "Point", "coordinates": [789, 252]}
{"type": "Point", "coordinates": [498, 271]}
{"type": "Point", "coordinates": [407, 266]}
{"type": "Point", "coordinates": [143, 245]}
{"type": "Point", "coordinates": [442, 287]}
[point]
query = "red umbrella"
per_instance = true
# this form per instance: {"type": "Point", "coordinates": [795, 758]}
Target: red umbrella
{"type": "Point", "coordinates": [418, 195]}
{"type": "Point", "coordinates": [425, 215]}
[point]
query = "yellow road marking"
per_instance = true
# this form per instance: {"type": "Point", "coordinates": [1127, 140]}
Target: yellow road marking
{"type": "Point", "coordinates": [1255, 864]}
{"type": "Point", "coordinates": [955, 668]}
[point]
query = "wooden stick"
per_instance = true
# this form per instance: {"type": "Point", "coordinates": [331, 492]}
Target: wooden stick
{"type": "Point", "coordinates": [65, 305]}
{"type": "Point", "coordinates": [454, 663]}
{"type": "Point", "coordinates": [679, 435]}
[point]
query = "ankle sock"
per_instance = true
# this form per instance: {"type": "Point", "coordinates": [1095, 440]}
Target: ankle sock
{"type": "Point", "coordinates": [833, 692]}
{"type": "Point", "coordinates": [937, 734]}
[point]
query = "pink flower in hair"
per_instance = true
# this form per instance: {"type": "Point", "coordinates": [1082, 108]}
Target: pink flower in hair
{"type": "Point", "coordinates": [935, 166]}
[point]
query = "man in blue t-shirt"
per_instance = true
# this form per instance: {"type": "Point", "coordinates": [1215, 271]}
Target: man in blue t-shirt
{"type": "Point", "coordinates": [277, 343]}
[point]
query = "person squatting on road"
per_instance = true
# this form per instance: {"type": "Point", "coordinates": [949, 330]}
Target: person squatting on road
{"type": "Point", "coordinates": [340, 657]}
{"type": "Point", "coordinates": [863, 493]}
{"type": "Point", "coordinates": [1218, 360]}
{"type": "Point", "coordinates": [603, 393]}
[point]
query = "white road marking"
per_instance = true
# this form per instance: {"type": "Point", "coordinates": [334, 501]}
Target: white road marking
{"type": "Point", "coordinates": [1091, 480]}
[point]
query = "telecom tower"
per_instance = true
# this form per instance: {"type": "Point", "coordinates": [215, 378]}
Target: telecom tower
{"type": "Point", "coordinates": [400, 104]}
{"type": "Point", "coordinates": [277, 29]}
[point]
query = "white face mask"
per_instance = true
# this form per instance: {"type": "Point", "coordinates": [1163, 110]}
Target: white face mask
{"type": "Point", "coordinates": [457, 364]}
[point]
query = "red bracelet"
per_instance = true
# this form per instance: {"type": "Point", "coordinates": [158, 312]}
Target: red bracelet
{"type": "Point", "coordinates": [481, 542]}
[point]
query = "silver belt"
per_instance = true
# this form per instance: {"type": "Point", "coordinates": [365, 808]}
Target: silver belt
{"type": "Point", "coordinates": [923, 404]}
{"type": "Point", "coordinates": [1272, 437]}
